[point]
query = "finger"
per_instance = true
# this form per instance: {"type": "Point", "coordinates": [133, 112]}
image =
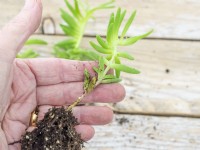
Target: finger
{"type": "Point", "coordinates": [88, 115]}
{"type": "Point", "coordinates": [67, 93]}
{"type": "Point", "coordinates": [17, 31]}
{"type": "Point", "coordinates": [86, 132]}
{"type": "Point", "coordinates": [93, 115]}
{"type": "Point", "coordinates": [53, 71]}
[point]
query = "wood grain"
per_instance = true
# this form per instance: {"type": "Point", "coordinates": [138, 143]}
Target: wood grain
{"type": "Point", "coordinates": [147, 133]}
{"type": "Point", "coordinates": [169, 80]}
{"type": "Point", "coordinates": [170, 19]}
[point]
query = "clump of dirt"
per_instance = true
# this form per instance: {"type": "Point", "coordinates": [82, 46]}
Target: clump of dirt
{"type": "Point", "coordinates": [55, 132]}
{"type": "Point", "coordinates": [122, 120]}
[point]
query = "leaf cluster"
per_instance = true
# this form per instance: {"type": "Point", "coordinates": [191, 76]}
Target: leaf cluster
{"type": "Point", "coordinates": [109, 47]}
{"type": "Point", "coordinates": [75, 21]}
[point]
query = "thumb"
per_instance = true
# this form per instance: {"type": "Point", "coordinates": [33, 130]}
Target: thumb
{"type": "Point", "coordinates": [18, 30]}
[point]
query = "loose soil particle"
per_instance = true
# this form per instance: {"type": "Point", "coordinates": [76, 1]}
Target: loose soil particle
{"type": "Point", "coordinates": [55, 132]}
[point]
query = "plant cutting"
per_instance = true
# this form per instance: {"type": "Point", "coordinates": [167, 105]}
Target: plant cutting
{"type": "Point", "coordinates": [57, 129]}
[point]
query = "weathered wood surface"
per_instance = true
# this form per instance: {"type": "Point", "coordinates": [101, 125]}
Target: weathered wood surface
{"type": "Point", "coordinates": [169, 82]}
{"type": "Point", "coordinates": [147, 133]}
{"type": "Point", "coordinates": [170, 19]}
{"type": "Point", "coordinates": [168, 85]}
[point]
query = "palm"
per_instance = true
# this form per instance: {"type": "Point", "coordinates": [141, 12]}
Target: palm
{"type": "Point", "coordinates": [36, 84]}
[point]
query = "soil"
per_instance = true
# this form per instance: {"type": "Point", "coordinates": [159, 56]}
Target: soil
{"type": "Point", "coordinates": [55, 132]}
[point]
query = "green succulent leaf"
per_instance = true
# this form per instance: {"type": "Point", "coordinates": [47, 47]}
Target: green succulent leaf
{"type": "Point", "coordinates": [110, 34]}
{"type": "Point", "coordinates": [96, 69]}
{"type": "Point", "coordinates": [117, 72]}
{"type": "Point", "coordinates": [102, 42]}
{"type": "Point", "coordinates": [100, 49]}
{"type": "Point", "coordinates": [106, 62]}
{"type": "Point", "coordinates": [66, 44]}
{"type": "Point", "coordinates": [107, 81]}
{"type": "Point", "coordinates": [74, 10]}
{"type": "Point", "coordinates": [77, 8]}
{"type": "Point", "coordinates": [118, 21]}
{"type": "Point", "coordinates": [107, 5]}
{"type": "Point", "coordinates": [109, 76]}
{"type": "Point", "coordinates": [89, 55]}
{"type": "Point", "coordinates": [124, 68]}
{"type": "Point", "coordinates": [70, 7]}
{"type": "Point", "coordinates": [112, 19]}
{"type": "Point", "coordinates": [60, 53]}
{"type": "Point", "coordinates": [128, 24]}
{"type": "Point", "coordinates": [125, 55]}
{"type": "Point", "coordinates": [69, 19]}
{"type": "Point", "coordinates": [101, 64]}
{"type": "Point", "coordinates": [28, 54]}
{"type": "Point", "coordinates": [109, 57]}
{"type": "Point", "coordinates": [69, 31]}
{"type": "Point", "coordinates": [35, 42]}
{"type": "Point", "coordinates": [130, 41]}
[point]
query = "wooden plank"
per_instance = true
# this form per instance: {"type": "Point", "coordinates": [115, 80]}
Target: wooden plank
{"type": "Point", "coordinates": [170, 19]}
{"type": "Point", "coordinates": [169, 80]}
{"type": "Point", "coordinates": [129, 132]}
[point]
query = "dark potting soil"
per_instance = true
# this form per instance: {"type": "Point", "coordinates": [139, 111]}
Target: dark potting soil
{"type": "Point", "coordinates": [55, 132]}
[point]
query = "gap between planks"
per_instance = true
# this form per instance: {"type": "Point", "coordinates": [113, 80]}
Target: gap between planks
{"type": "Point", "coordinates": [170, 19]}
{"type": "Point", "coordinates": [136, 132]}
{"type": "Point", "coordinates": [147, 38]}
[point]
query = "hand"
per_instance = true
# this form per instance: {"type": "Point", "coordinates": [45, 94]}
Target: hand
{"type": "Point", "coordinates": [26, 84]}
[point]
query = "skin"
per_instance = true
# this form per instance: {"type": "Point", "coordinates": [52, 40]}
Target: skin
{"type": "Point", "coordinates": [26, 84]}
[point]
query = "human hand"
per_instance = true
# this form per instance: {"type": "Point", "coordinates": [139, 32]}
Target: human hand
{"type": "Point", "coordinates": [26, 84]}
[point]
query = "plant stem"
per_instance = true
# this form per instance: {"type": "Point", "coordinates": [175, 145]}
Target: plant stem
{"type": "Point", "coordinates": [83, 24]}
{"type": "Point", "coordinates": [97, 83]}
{"type": "Point", "coordinates": [76, 102]}
{"type": "Point", "coordinates": [107, 68]}
{"type": "Point", "coordinates": [80, 37]}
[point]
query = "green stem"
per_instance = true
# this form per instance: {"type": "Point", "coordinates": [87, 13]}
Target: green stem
{"type": "Point", "coordinates": [76, 102]}
{"type": "Point", "coordinates": [107, 68]}
{"type": "Point", "coordinates": [97, 83]}
{"type": "Point", "coordinates": [83, 24]}
{"type": "Point", "coordinates": [80, 37]}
